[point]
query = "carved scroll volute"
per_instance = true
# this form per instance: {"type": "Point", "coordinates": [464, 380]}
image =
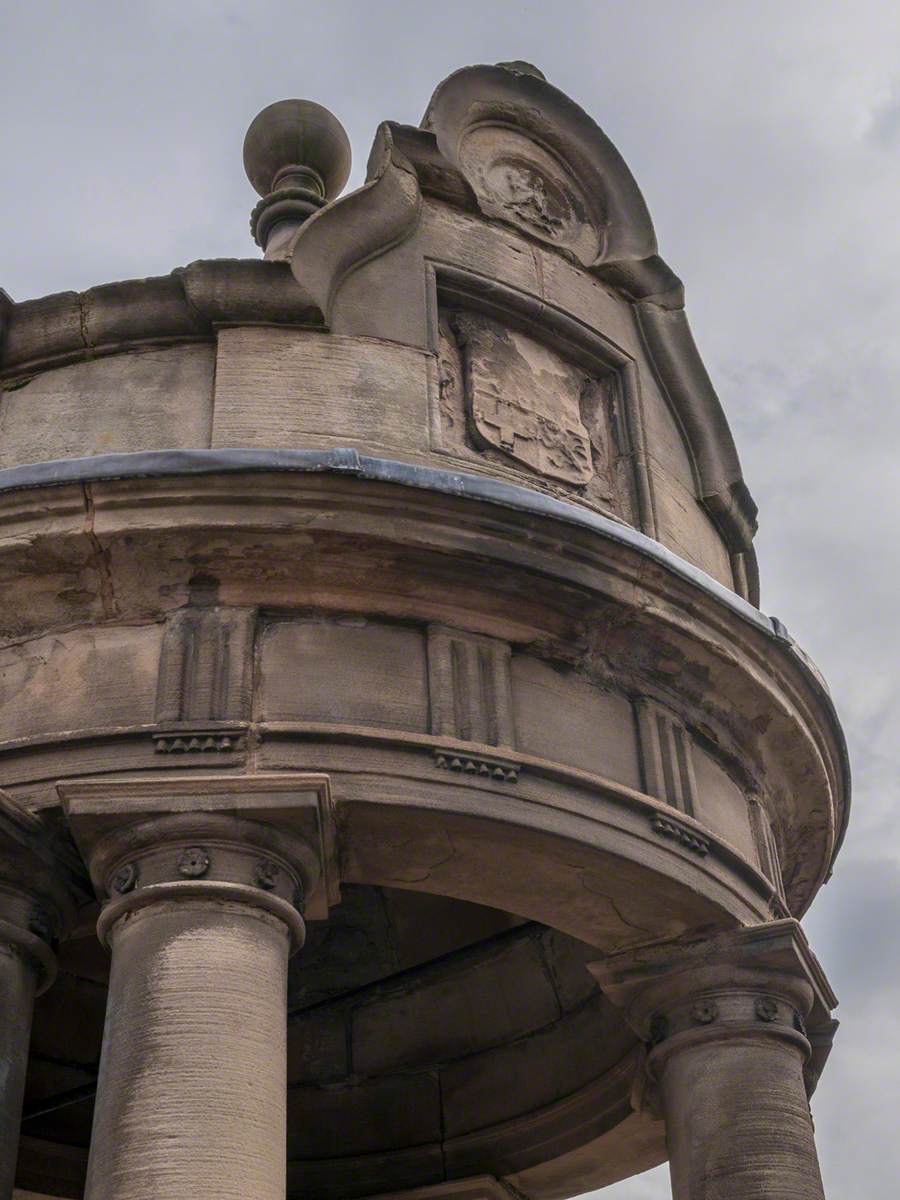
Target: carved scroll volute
{"type": "Point", "coordinates": [537, 161]}
{"type": "Point", "coordinates": [358, 228]}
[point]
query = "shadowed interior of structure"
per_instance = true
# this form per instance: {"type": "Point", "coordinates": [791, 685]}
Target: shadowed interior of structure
{"type": "Point", "coordinates": [413, 1020]}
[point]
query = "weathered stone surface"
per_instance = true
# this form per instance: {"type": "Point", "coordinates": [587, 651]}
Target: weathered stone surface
{"type": "Point", "coordinates": [79, 679]}
{"type": "Point", "coordinates": [500, 1086]}
{"type": "Point", "coordinates": [561, 715]}
{"type": "Point", "coordinates": [145, 400]}
{"type": "Point", "coordinates": [523, 400]}
{"type": "Point", "coordinates": [508, 989]}
{"type": "Point", "coordinates": [279, 387]}
{"type": "Point", "coordinates": [385, 1114]}
{"type": "Point", "coordinates": [349, 673]}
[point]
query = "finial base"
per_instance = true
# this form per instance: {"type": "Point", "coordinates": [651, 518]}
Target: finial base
{"type": "Point", "coordinates": [287, 207]}
{"type": "Point", "coordinates": [297, 156]}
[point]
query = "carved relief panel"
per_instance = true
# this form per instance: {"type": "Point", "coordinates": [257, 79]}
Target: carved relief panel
{"type": "Point", "coordinates": [518, 181]}
{"type": "Point", "coordinates": [512, 400]}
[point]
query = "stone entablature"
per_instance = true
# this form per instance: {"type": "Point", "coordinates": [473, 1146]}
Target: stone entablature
{"type": "Point", "coordinates": [579, 686]}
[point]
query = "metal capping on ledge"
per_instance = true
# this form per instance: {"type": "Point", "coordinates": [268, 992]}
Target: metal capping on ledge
{"type": "Point", "coordinates": [348, 461]}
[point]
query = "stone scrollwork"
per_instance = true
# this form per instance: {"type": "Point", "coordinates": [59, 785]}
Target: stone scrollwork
{"type": "Point", "coordinates": [704, 1011]}
{"type": "Point", "coordinates": [124, 880]}
{"type": "Point", "coordinates": [193, 862]}
{"type": "Point", "coordinates": [517, 181]}
{"type": "Point", "coordinates": [533, 158]}
{"type": "Point", "coordinates": [766, 1008]}
{"type": "Point", "coordinates": [266, 874]}
{"type": "Point", "coordinates": [359, 227]}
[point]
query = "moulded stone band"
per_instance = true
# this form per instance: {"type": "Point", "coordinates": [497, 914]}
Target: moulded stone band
{"type": "Point", "coordinates": [203, 889]}
{"type": "Point", "coordinates": [727, 1031]}
{"type": "Point", "coordinates": [30, 946]}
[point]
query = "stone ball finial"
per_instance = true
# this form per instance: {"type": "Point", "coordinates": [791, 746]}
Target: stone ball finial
{"type": "Point", "coordinates": [297, 157]}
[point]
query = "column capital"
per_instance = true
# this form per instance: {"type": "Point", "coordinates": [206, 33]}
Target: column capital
{"type": "Point", "coordinates": [267, 840]}
{"type": "Point", "coordinates": [42, 883]}
{"type": "Point", "coordinates": [759, 980]}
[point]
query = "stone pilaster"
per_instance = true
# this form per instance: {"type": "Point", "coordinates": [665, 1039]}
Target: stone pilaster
{"type": "Point", "coordinates": [203, 882]}
{"type": "Point", "coordinates": [38, 890]}
{"type": "Point", "coordinates": [730, 1059]}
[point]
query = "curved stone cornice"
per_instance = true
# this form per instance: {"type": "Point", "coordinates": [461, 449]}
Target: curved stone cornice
{"type": "Point", "coordinates": [159, 463]}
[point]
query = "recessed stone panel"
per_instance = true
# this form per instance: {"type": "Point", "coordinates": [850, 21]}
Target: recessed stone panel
{"type": "Point", "coordinates": [79, 679]}
{"type": "Point", "coordinates": [149, 399]}
{"type": "Point", "coordinates": [352, 672]}
{"type": "Point", "coordinates": [721, 805]}
{"type": "Point", "coordinates": [515, 401]}
{"type": "Point", "coordinates": [563, 717]}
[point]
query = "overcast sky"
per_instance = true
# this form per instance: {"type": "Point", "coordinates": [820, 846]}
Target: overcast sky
{"type": "Point", "coordinates": [766, 139]}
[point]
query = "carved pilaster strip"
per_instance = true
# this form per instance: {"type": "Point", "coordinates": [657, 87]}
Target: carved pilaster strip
{"type": "Point", "coordinates": [769, 859]}
{"type": "Point", "coordinates": [665, 749]}
{"type": "Point", "coordinates": [205, 665]}
{"type": "Point", "coordinates": [469, 687]}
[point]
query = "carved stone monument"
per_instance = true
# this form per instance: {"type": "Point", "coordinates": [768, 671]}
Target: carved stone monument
{"type": "Point", "coordinates": [404, 794]}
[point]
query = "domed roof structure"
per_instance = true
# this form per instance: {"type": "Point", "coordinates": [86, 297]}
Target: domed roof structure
{"type": "Point", "coordinates": [395, 593]}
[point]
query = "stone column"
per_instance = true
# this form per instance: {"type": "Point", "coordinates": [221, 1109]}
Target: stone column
{"type": "Point", "coordinates": [36, 904]}
{"type": "Point", "coordinates": [729, 1062]}
{"type": "Point", "coordinates": [26, 966]}
{"type": "Point", "coordinates": [201, 909]}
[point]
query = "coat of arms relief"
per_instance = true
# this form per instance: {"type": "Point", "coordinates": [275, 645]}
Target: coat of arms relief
{"type": "Point", "coordinates": [506, 396]}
